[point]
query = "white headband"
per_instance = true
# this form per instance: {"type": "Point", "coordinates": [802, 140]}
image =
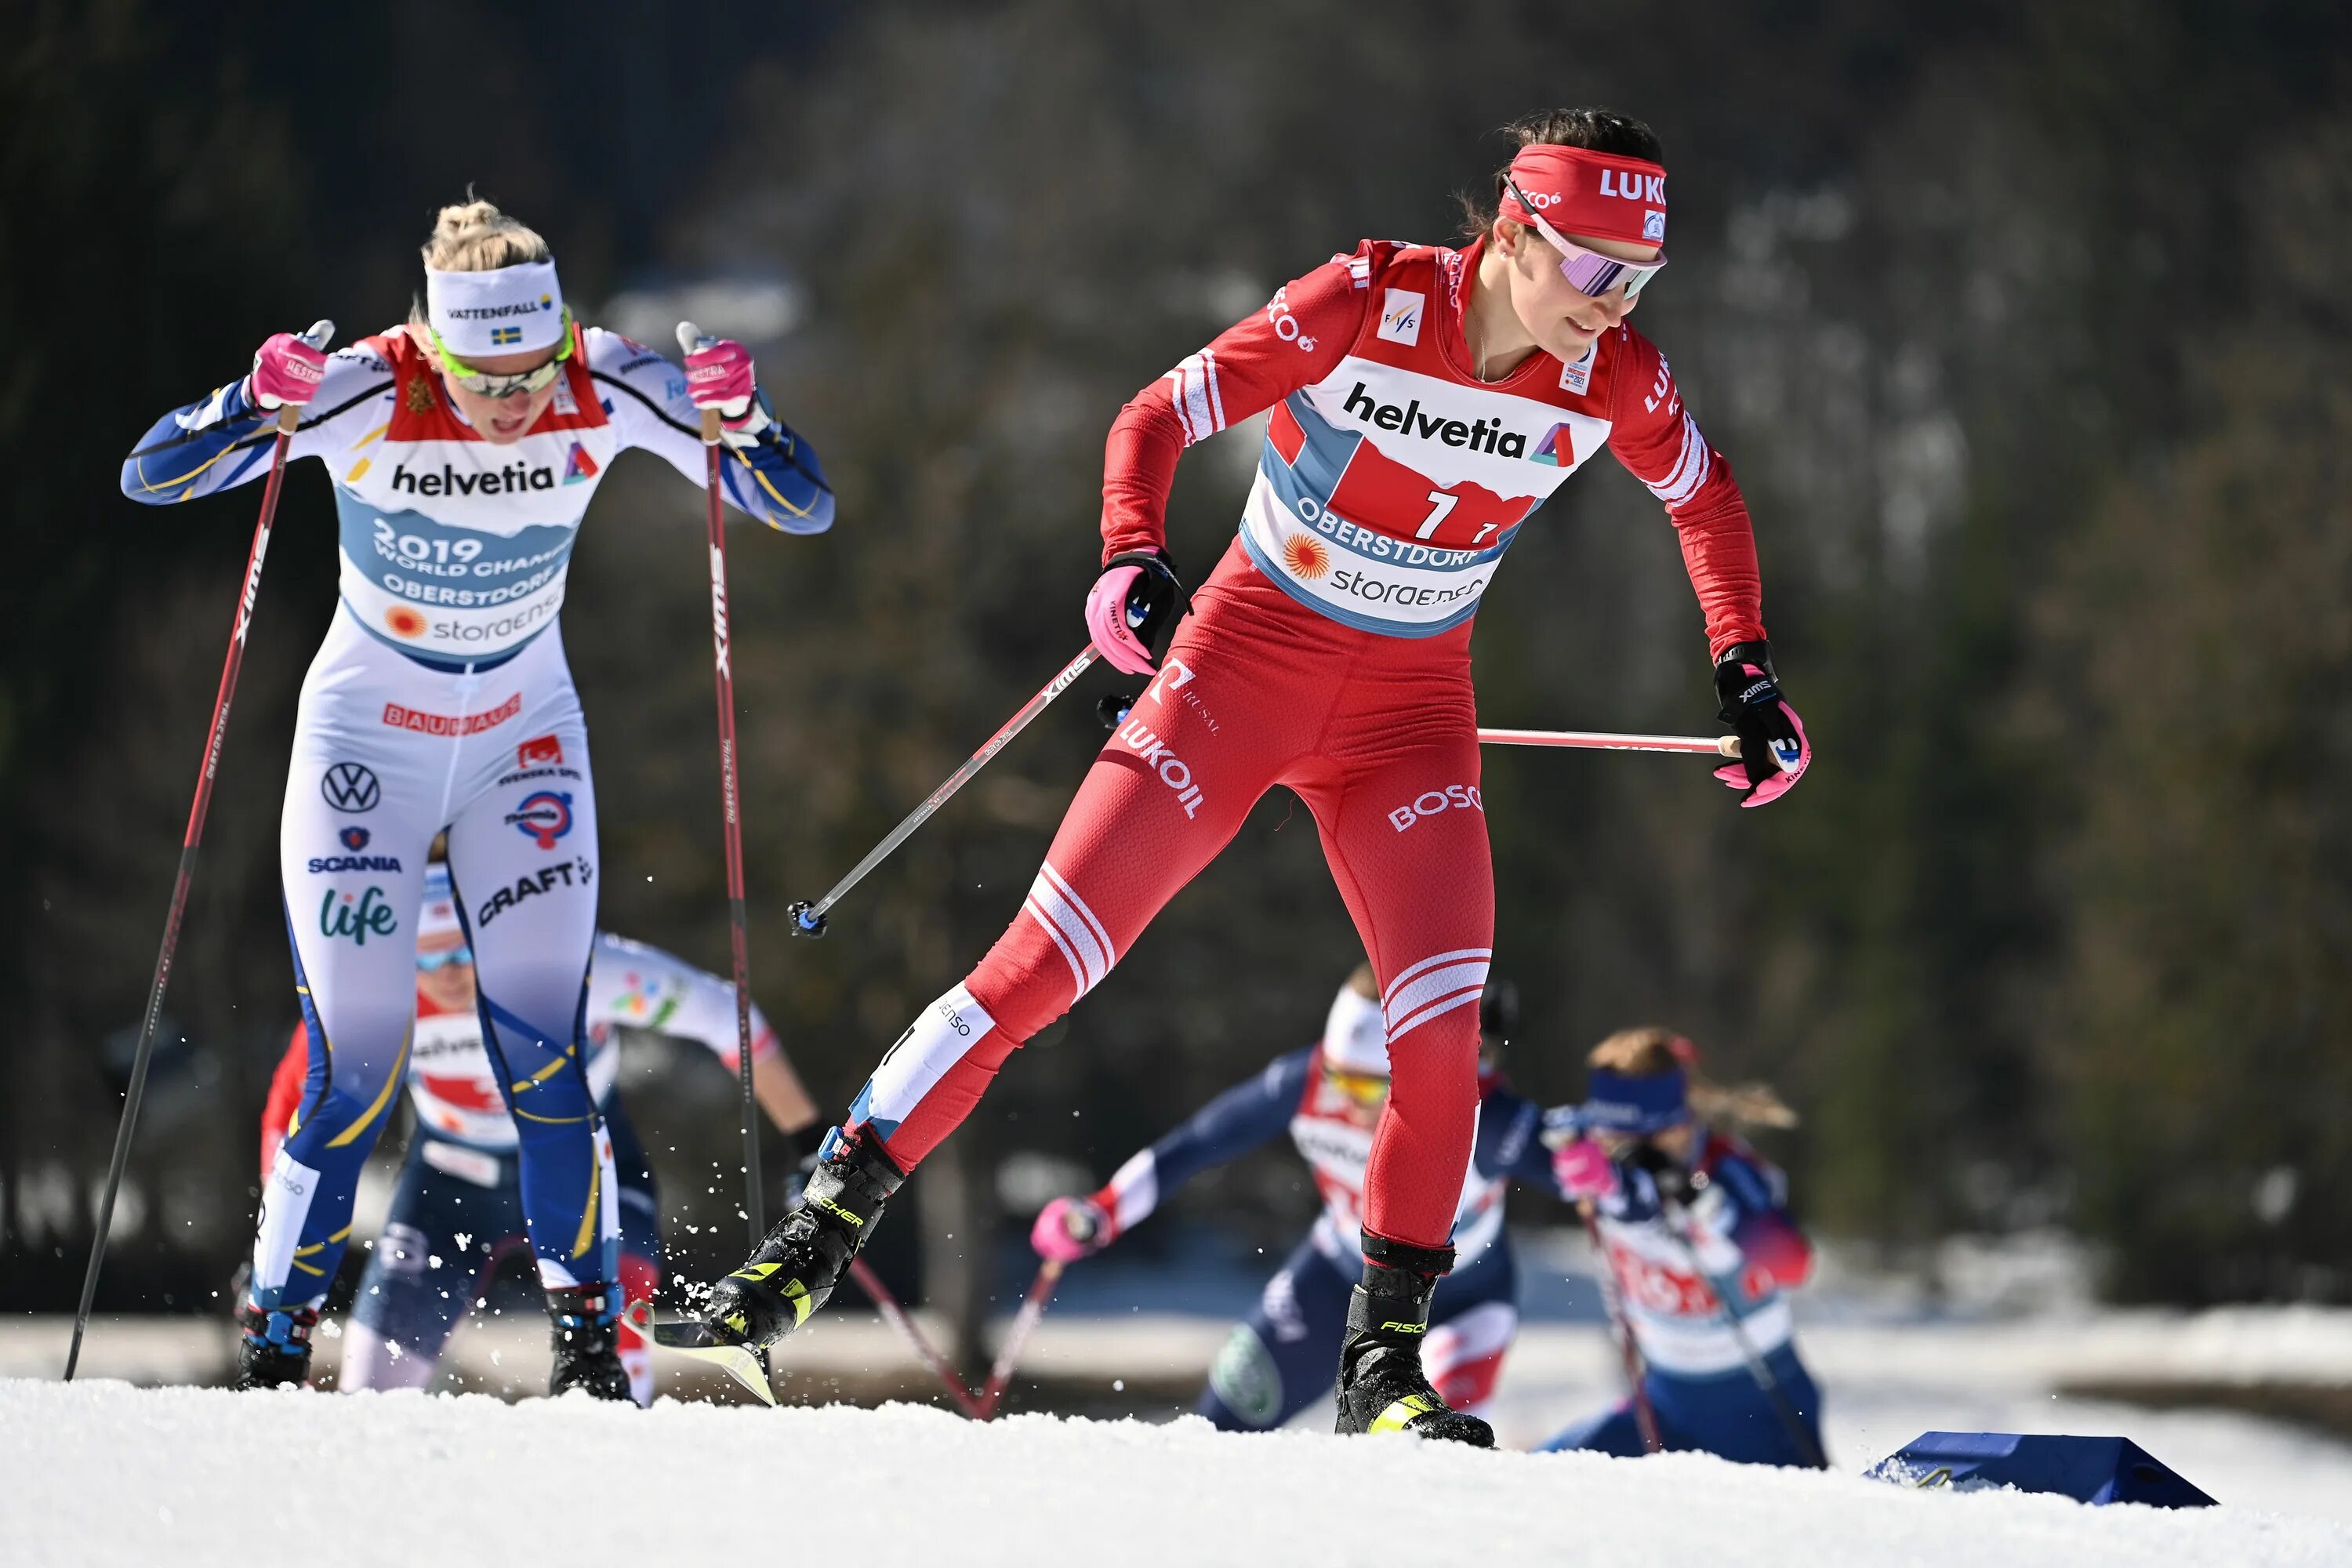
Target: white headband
{"type": "Point", "coordinates": [1355, 1036]}
{"type": "Point", "coordinates": [506, 311]}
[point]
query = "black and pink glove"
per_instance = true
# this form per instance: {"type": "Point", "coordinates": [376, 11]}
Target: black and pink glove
{"type": "Point", "coordinates": [1135, 598]}
{"type": "Point", "coordinates": [1070, 1228]}
{"type": "Point", "coordinates": [1773, 751]}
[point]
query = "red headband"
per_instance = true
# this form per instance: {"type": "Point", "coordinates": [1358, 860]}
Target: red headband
{"type": "Point", "coordinates": [1603, 195]}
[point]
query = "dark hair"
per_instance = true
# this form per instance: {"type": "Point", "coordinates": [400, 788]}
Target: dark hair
{"type": "Point", "coordinates": [1599, 130]}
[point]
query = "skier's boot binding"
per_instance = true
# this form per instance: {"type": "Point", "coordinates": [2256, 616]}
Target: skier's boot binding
{"type": "Point", "coordinates": [801, 1261]}
{"type": "Point", "coordinates": [1382, 1387]}
{"type": "Point", "coordinates": [273, 1350]}
{"type": "Point", "coordinates": [587, 1336]}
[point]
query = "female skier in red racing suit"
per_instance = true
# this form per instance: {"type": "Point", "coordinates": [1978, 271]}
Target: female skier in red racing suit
{"type": "Point", "coordinates": [1425, 401]}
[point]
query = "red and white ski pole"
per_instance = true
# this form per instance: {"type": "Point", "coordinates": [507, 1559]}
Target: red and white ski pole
{"type": "Point", "coordinates": [1637, 1384]}
{"type": "Point", "coordinates": [691, 338]}
{"type": "Point", "coordinates": [321, 333]}
{"type": "Point", "coordinates": [808, 919]}
{"type": "Point", "coordinates": [897, 1315]}
{"type": "Point", "coordinates": [1016, 1338]}
{"type": "Point", "coordinates": [1603, 740]}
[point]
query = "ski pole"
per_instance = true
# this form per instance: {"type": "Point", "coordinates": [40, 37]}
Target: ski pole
{"type": "Point", "coordinates": [1113, 711]}
{"type": "Point", "coordinates": [288, 416]}
{"type": "Point", "coordinates": [1766, 1383]}
{"type": "Point", "coordinates": [1024, 1323]}
{"type": "Point", "coordinates": [1637, 1384]}
{"type": "Point", "coordinates": [691, 338]}
{"type": "Point", "coordinates": [888, 1305]}
{"type": "Point", "coordinates": [808, 920]}
{"type": "Point", "coordinates": [1602, 740]}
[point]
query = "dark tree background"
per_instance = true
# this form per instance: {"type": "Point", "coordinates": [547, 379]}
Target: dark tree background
{"type": "Point", "coordinates": [2021, 325]}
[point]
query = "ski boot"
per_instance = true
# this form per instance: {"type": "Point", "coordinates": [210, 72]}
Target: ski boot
{"type": "Point", "coordinates": [586, 1339]}
{"type": "Point", "coordinates": [273, 1347]}
{"type": "Point", "coordinates": [1382, 1387]}
{"type": "Point", "coordinates": [797, 1267]}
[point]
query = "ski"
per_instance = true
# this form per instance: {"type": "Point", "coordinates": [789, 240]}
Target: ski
{"type": "Point", "coordinates": [693, 1337]}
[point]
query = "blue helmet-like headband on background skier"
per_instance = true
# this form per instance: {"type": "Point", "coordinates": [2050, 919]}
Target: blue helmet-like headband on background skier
{"type": "Point", "coordinates": [437, 918]}
{"type": "Point", "coordinates": [1637, 1106]}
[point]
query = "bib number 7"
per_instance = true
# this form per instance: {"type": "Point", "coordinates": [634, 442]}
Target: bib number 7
{"type": "Point", "coordinates": [1440, 503]}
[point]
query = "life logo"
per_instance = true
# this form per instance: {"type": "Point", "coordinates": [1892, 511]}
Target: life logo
{"type": "Point", "coordinates": [341, 915]}
{"type": "Point", "coordinates": [542, 817]}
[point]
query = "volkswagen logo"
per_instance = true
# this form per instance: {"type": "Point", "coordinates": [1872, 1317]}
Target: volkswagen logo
{"type": "Point", "coordinates": [349, 786]}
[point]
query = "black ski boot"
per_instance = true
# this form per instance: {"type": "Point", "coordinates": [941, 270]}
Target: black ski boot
{"type": "Point", "coordinates": [801, 1261]}
{"type": "Point", "coordinates": [586, 1339]}
{"type": "Point", "coordinates": [273, 1350]}
{"type": "Point", "coordinates": [1381, 1388]}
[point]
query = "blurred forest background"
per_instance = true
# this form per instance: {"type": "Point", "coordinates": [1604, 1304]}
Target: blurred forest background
{"type": "Point", "coordinates": [2024, 325]}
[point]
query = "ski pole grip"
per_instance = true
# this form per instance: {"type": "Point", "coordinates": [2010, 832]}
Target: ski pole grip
{"type": "Point", "coordinates": [321, 333]}
{"type": "Point", "coordinates": [691, 340]}
{"type": "Point", "coordinates": [1730, 747]}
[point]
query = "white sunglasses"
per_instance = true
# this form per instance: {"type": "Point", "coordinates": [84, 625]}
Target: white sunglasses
{"type": "Point", "coordinates": [1589, 271]}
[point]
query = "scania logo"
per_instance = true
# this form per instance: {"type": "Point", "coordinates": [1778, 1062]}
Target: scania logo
{"type": "Point", "coordinates": [349, 786]}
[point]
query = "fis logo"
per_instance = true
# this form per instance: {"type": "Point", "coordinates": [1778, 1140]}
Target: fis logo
{"type": "Point", "coordinates": [1654, 227]}
{"type": "Point", "coordinates": [1401, 317]}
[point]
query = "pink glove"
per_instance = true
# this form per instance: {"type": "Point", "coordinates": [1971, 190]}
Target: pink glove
{"type": "Point", "coordinates": [1070, 1228]}
{"type": "Point", "coordinates": [1773, 750]}
{"type": "Point", "coordinates": [1583, 1171]}
{"type": "Point", "coordinates": [720, 377]}
{"type": "Point", "coordinates": [1108, 621]}
{"type": "Point", "coordinates": [287, 370]}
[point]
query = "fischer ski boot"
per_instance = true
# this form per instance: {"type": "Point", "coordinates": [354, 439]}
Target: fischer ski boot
{"type": "Point", "coordinates": [797, 1267]}
{"type": "Point", "coordinates": [273, 1348]}
{"type": "Point", "coordinates": [586, 1338]}
{"type": "Point", "coordinates": [1382, 1387]}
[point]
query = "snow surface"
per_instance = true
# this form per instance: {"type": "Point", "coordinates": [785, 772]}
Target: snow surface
{"type": "Point", "coordinates": [101, 1473]}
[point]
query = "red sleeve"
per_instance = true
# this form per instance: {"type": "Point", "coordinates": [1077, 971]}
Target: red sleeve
{"type": "Point", "coordinates": [1773, 1243]}
{"type": "Point", "coordinates": [1304, 331]}
{"type": "Point", "coordinates": [1660, 444]}
{"type": "Point", "coordinates": [285, 1095]}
